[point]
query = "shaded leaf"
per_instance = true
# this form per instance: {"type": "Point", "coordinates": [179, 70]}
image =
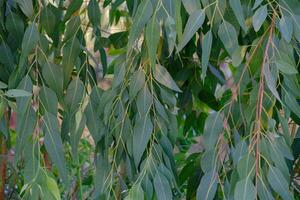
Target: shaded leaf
{"type": "Point", "coordinates": [137, 82]}
{"type": "Point", "coordinates": [207, 43]}
{"type": "Point", "coordinates": [162, 187]}
{"type": "Point", "coordinates": [238, 12]}
{"type": "Point", "coordinates": [259, 17]}
{"type": "Point", "coordinates": [94, 13]}
{"type": "Point", "coordinates": [228, 36]}
{"type": "Point", "coordinates": [194, 22]}
{"type": "Point", "coordinates": [244, 190]}
{"type": "Point", "coordinates": [278, 183]}
{"type": "Point", "coordinates": [53, 144]}
{"type": "Point", "coordinates": [208, 186]}
{"type": "Point", "coordinates": [152, 38]}
{"type": "Point", "coordinates": [163, 77]}
{"type": "Point", "coordinates": [141, 134]}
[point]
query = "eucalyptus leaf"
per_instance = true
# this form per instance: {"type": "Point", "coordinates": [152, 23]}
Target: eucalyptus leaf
{"type": "Point", "coordinates": [194, 22]}
{"type": "Point", "coordinates": [259, 17]}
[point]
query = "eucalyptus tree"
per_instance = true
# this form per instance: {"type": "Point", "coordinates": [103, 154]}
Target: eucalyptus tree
{"type": "Point", "coordinates": [204, 101]}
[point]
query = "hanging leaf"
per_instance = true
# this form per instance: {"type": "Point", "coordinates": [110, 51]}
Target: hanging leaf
{"type": "Point", "coordinates": [15, 25]}
{"type": "Point", "coordinates": [48, 100]}
{"type": "Point", "coordinates": [152, 37]}
{"type": "Point", "coordinates": [228, 36]}
{"type": "Point", "coordinates": [53, 76]}
{"type": "Point", "coordinates": [286, 67]}
{"type": "Point", "coordinates": [213, 128]}
{"type": "Point", "coordinates": [136, 83]}
{"type": "Point", "coordinates": [208, 186]}
{"type": "Point", "coordinates": [141, 17]}
{"type": "Point", "coordinates": [207, 43]}
{"type": "Point", "coordinates": [30, 39]}
{"type": "Point", "coordinates": [13, 93]}
{"type": "Point", "coordinates": [245, 166]}
{"type": "Point", "coordinates": [94, 13]}
{"type": "Point", "coordinates": [278, 183]}
{"type": "Point", "coordinates": [162, 187]}
{"type": "Point", "coordinates": [163, 77]}
{"type": "Point", "coordinates": [48, 20]}
{"type": "Point", "coordinates": [194, 22]}
{"type": "Point", "coordinates": [79, 121]}
{"type": "Point", "coordinates": [244, 190]}
{"type": "Point", "coordinates": [71, 51]}
{"type": "Point", "coordinates": [54, 144]}
{"type": "Point", "coordinates": [72, 8]}
{"type": "Point", "coordinates": [191, 5]}
{"type": "Point", "coordinates": [74, 95]}
{"type": "Point", "coordinates": [141, 135]}
{"type": "Point", "coordinates": [286, 28]}
{"type": "Point", "coordinates": [170, 28]}
{"type": "Point", "coordinates": [259, 17]}
{"type": "Point", "coordinates": [26, 7]}
{"type": "Point", "coordinates": [136, 192]}
{"type": "Point", "coordinates": [238, 12]}
{"type": "Point", "coordinates": [271, 81]}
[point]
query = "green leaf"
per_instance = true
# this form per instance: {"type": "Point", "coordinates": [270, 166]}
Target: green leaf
{"type": "Point", "coordinates": [170, 28]}
{"type": "Point", "coordinates": [3, 85]}
{"type": "Point", "coordinates": [137, 82]}
{"type": "Point", "coordinates": [78, 124]}
{"type": "Point", "coordinates": [141, 17]}
{"type": "Point", "coordinates": [26, 7]}
{"type": "Point", "coordinates": [72, 27]}
{"type": "Point", "coordinates": [238, 12]}
{"type": "Point", "coordinates": [191, 5]}
{"type": "Point", "coordinates": [152, 38]}
{"type": "Point", "coordinates": [279, 183]}
{"type": "Point", "coordinates": [263, 190]}
{"type": "Point", "coordinates": [30, 39]}
{"type": "Point", "coordinates": [14, 25]}
{"type": "Point", "coordinates": [271, 81]}
{"type": "Point", "coordinates": [73, 7]}
{"type": "Point", "coordinates": [93, 121]}
{"type": "Point", "coordinates": [74, 95]}
{"type": "Point", "coordinates": [25, 126]}
{"type": "Point", "coordinates": [194, 22]}
{"type": "Point", "coordinates": [207, 43]}
{"type": "Point", "coordinates": [103, 58]}
{"type": "Point", "coordinates": [208, 186]}
{"type": "Point", "coordinates": [286, 28]}
{"type": "Point", "coordinates": [256, 4]}
{"type": "Point", "coordinates": [244, 190]}
{"type": "Point", "coordinates": [259, 17]}
{"type": "Point", "coordinates": [71, 51]}
{"type": "Point", "coordinates": [94, 13]}
{"type": "Point", "coordinates": [53, 144]}
{"type": "Point", "coordinates": [228, 36]}
{"type": "Point", "coordinates": [213, 128]}
{"type": "Point", "coordinates": [245, 166]}
{"type": "Point", "coordinates": [163, 77]}
{"type": "Point", "coordinates": [162, 187]}
{"type": "Point", "coordinates": [286, 67]}
{"type": "Point", "coordinates": [141, 134]}
{"type": "Point", "coordinates": [53, 75]}
{"type": "Point", "coordinates": [48, 20]}
{"type": "Point", "coordinates": [291, 103]}
{"type": "Point", "coordinates": [50, 189]}
{"type": "Point", "coordinates": [48, 100]}
{"type": "Point", "coordinates": [6, 57]}
{"type": "Point", "coordinates": [144, 101]}
{"type": "Point", "coordinates": [136, 192]}
{"type": "Point", "coordinates": [17, 93]}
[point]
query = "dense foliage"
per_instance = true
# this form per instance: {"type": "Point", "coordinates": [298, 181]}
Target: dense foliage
{"type": "Point", "coordinates": [203, 104]}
